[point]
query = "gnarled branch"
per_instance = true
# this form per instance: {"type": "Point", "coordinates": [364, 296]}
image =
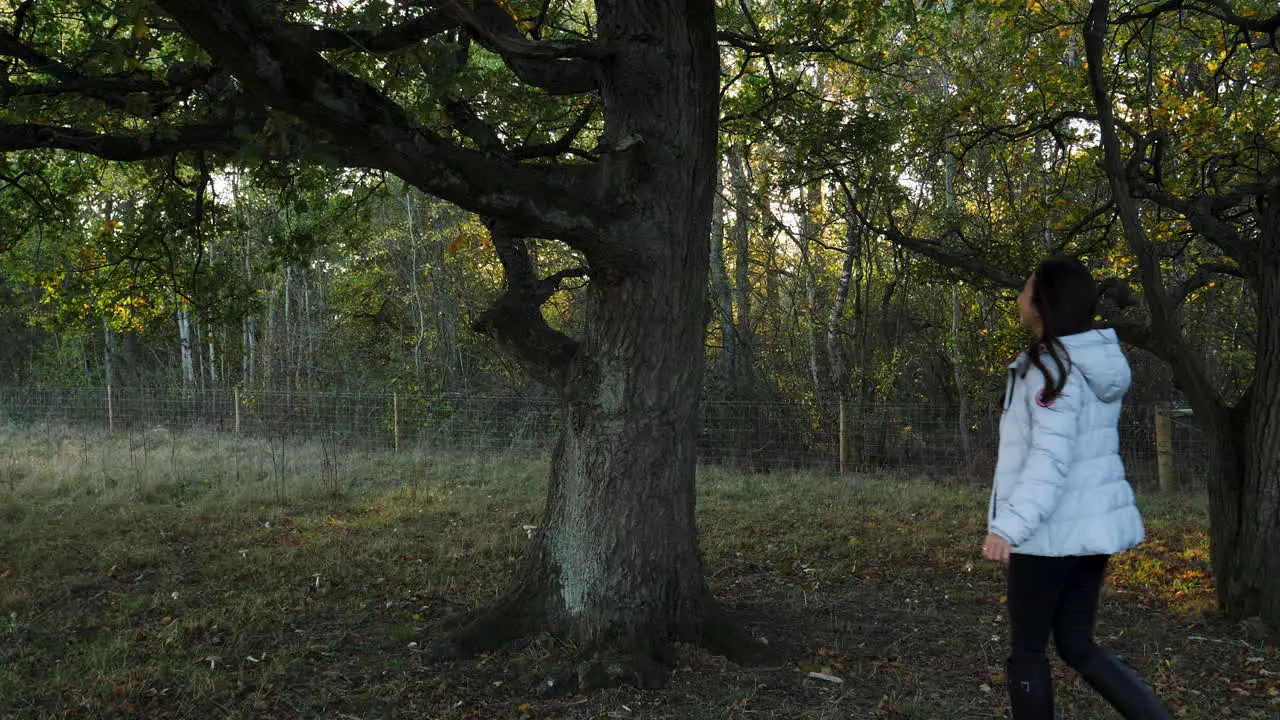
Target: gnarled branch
{"type": "Point", "coordinates": [544, 200]}
{"type": "Point", "coordinates": [1203, 275]}
{"type": "Point", "coordinates": [393, 37]}
{"type": "Point", "coordinates": [212, 136]}
{"type": "Point", "coordinates": [561, 146]}
{"type": "Point", "coordinates": [513, 45]}
{"type": "Point", "coordinates": [557, 67]}
{"type": "Point", "coordinates": [515, 319]}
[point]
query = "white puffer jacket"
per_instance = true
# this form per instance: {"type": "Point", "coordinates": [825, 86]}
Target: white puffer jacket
{"type": "Point", "coordinates": [1060, 487]}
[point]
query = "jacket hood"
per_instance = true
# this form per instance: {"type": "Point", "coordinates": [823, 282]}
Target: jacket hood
{"type": "Point", "coordinates": [1098, 355]}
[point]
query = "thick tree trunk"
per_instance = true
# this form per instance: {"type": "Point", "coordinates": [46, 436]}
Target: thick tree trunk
{"type": "Point", "coordinates": [619, 552]}
{"type": "Point", "coordinates": [616, 567]}
{"type": "Point", "coordinates": [1244, 491]}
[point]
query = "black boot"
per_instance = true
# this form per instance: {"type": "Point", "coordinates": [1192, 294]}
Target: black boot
{"type": "Point", "coordinates": [1030, 688]}
{"type": "Point", "coordinates": [1121, 686]}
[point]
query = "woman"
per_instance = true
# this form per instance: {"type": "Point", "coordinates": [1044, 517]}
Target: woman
{"type": "Point", "coordinates": [1061, 505]}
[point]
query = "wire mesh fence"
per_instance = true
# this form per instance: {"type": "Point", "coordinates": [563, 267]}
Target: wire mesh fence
{"type": "Point", "coordinates": [756, 437]}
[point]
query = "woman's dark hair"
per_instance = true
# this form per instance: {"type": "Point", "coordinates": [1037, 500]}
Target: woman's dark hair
{"type": "Point", "coordinates": [1064, 294]}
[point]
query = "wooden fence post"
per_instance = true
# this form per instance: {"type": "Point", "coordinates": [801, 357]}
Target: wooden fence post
{"type": "Point", "coordinates": [395, 420]}
{"type": "Point", "coordinates": [111, 416]}
{"type": "Point", "coordinates": [236, 398]}
{"type": "Point", "coordinates": [1164, 446]}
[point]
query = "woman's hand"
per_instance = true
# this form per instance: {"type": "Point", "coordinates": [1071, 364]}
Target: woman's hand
{"type": "Point", "coordinates": [996, 549]}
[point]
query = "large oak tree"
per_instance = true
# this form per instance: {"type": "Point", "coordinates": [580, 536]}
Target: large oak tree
{"type": "Point", "coordinates": [615, 567]}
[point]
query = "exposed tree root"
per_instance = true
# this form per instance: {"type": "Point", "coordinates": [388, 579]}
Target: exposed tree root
{"type": "Point", "coordinates": [642, 662]}
{"type": "Point", "coordinates": [490, 629]}
{"type": "Point", "coordinates": [724, 635]}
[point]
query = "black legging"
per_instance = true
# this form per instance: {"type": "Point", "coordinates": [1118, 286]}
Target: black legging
{"type": "Point", "coordinates": [1058, 595]}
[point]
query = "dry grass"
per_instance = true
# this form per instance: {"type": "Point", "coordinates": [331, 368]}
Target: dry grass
{"type": "Point", "coordinates": [198, 575]}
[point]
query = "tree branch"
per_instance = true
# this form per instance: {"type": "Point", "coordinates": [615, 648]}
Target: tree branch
{"type": "Point", "coordinates": [557, 67]}
{"type": "Point", "coordinates": [214, 136]}
{"type": "Point", "coordinates": [150, 94]}
{"type": "Point", "coordinates": [465, 120]}
{"type": "Point", "coordinates": [544, 200]}
{"type": "Point", "coordinates": [515, 319]}
{"type": "Point", "coordinates": [394, 37]}
{"type": "Point", "coordinates": [517, 46]}
{"type": "Point", "coordinates": [1220, 9]}
{"type": "Point", "coordinates": [1203, 275]}
{"type": "Point", "coordinates": [561, 146]}
{"type": "Point", "coordinates": [1187, 365]}
{"type": "Point", "coordinates": [11, 46]}
{"type": "Point", "coordinates": [1201, 211]}
{"type": "Point", "coordinates": [936, 252]}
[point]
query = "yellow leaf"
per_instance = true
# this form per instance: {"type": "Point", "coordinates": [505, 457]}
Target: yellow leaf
{"type": "Point", "coordinates": [458, 243]}
{"type": "Point", "coordinates": [522, 707]}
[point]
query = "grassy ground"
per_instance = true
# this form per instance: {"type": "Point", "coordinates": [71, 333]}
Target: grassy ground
{"type": "Point", "coordinates": [156, 576]}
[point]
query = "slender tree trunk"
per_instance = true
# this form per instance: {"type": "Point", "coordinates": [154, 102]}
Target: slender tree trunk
{"type": "Point", "coordinates": [197, 352]}
{"type": "Point", "coordinates": [270, 342]}
{"type": "Point", "coordinates": [809, 230]}
{"type": "Point", "coordinates": [839, 371]}
{"type": "Point", "coordinates": [721, 293]}
{"type": "Point", "coordinates": [419, 367]}
{"type": "Point", "coordinates": [108, 371]}
{"type": "Point", "coordinates": [744, 331]}
{"type": "Point", "coordinates": [248, 369]}
{"type": "Point", "coordinates": [184, 346]}
{"type": "Point", "coordinates": [286, 332]}
{"type": "Point", "coordinates": [308, 329]}
{"type": "Point", "coordinates": [213, 362]}
{"type": "Point", "coordinates": [448, 343]}
{"type": "Point", "coordinates": [957, 373]}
